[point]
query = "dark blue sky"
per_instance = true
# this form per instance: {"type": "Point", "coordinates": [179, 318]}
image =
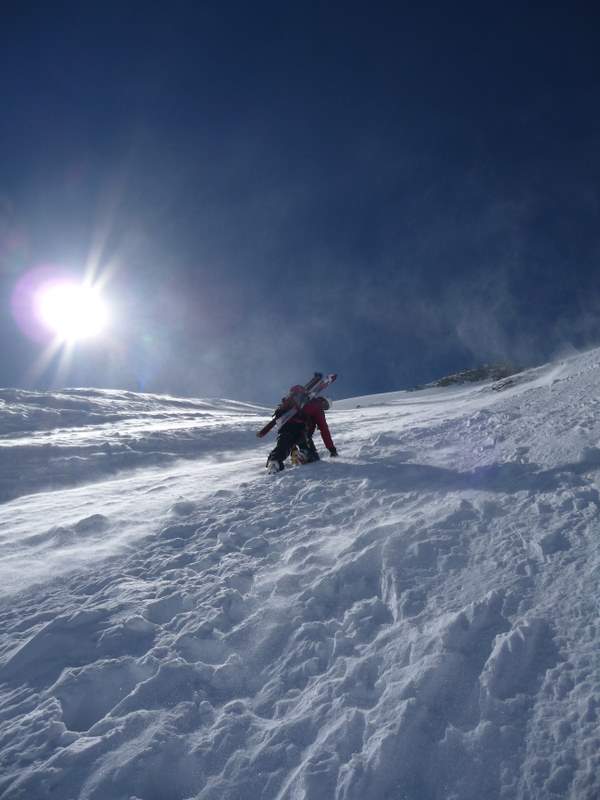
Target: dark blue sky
{"type": "Point", "coordinates": [388, 192]}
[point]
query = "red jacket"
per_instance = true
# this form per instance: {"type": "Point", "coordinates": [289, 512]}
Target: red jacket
{"type": "Point", "coordinates": [314, 417]}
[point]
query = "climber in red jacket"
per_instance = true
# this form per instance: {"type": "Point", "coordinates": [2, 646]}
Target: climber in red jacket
{"type": "Point", "coordinates": [296, 435]}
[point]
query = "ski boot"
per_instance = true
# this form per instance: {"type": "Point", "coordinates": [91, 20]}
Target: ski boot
{"type": "Point", "coordinates": [274, 466]}
{"type": "Point", "coordinates": [299, 455]}
{"type": "Point", "coordinates": [306, 455]}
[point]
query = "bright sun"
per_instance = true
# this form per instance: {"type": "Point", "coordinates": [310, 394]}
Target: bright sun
{"type": "Point", "coordinates": [71, 311]}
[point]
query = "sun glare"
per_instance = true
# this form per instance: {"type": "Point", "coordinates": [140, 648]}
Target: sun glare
{"type": "Point", "coordinates": [71, 311]}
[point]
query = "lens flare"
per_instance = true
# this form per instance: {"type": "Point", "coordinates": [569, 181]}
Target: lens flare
{"type": "Point", "coordinates": [71, 311]}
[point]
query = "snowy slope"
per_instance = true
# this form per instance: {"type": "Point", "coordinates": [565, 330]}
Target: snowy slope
{"type": "Point", "coordinates": [417, 619]}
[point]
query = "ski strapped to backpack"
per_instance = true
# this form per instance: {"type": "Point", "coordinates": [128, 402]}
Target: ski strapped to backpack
{"type": "Point", "coordinates": [289, 407]}
{"type": "Point", "coordinates": [284, 411]}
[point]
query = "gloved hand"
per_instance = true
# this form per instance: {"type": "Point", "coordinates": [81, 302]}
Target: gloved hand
{"type": "Point", "coordinates": [333, 452]}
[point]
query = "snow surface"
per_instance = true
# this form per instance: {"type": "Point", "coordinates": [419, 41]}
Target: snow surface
{"type": "Point", "coordinates": [416, 620]}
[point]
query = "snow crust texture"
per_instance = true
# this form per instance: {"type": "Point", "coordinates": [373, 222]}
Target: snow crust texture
{"type": "Point", "coordinates": [416, 620]}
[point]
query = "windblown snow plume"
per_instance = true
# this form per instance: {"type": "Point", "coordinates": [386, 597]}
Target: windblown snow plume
{"type": "Point", "coordinates": [417, 619]}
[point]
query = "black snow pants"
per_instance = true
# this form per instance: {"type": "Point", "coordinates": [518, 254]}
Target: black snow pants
{"type": "Point", "coordinates": [290, 434]}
